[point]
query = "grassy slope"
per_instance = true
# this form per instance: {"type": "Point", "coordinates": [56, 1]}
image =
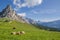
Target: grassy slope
{"type": "Point", "coordinates": [31, 33]}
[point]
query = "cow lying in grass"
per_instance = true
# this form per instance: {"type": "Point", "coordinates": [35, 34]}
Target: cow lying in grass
{"type": "Point", "coordinates": [18, 33]}
{"type": "Point", "coordinates": [13, 33]}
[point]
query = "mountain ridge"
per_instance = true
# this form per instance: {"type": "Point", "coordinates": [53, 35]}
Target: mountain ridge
{"type": "Point", "coordinates": [8, 12]}
{"type": "Point", "coordinates": [53, 24]}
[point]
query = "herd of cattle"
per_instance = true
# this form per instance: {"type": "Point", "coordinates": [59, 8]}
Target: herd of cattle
{"type": "Point", "coordinates": [17, 33]}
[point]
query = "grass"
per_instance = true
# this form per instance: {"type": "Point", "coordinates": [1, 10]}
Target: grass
{"type": "Point", "coordinates": [31, 32]}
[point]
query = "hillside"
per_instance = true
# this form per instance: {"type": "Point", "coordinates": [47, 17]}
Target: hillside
{"type": "Point", "coordinates": [31, 32]}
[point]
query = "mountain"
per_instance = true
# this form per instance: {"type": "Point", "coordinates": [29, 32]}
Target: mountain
{"type": "Point", "coordinates": [8, 12]}
{"type": "Point", "coordinates": [30, 21]}
{"type": "Point", "coordinates": [53, 24]}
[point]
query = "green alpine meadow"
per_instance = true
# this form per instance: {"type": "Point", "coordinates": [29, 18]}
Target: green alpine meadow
{"type": "Point", "coordinates": [31, 32]}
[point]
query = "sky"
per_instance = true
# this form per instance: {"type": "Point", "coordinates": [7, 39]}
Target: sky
{"type": "Point", "coordinates": [42, 10]}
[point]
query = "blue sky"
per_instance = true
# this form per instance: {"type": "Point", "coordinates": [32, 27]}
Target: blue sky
{"type": "Point", "coordinates": [43, 10]}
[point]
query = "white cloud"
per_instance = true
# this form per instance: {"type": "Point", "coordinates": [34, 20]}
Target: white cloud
{"type": "Point", "coordinates": [17, 3]}
{"type": "Point", "coordinates": [27, 3]}
{"type": "Point", "coordinates": [49, 20]}
{"type": "Point", "coordinates": [35, 12]}
{"type": "Point", "coordinates": [22, 14]}
{"type": "Point", "coordinates": [46, 11]}
{"type": "Point", "coordinates": [31, 3]}
{"type": "Point", "coordinates": [49, 11]}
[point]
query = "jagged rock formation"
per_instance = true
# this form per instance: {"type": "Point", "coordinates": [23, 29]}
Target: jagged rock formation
{"type": "Point", "coordinates": [30, 21]}
{"type": "Point", "coordinates": [8, 12]}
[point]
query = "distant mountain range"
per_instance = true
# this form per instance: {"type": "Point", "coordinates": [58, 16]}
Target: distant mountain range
{"type": "Point", "coordinates": [53, 24]}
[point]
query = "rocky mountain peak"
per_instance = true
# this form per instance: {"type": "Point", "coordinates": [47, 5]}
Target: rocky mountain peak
{"type": "Point", "coordinates": [8, 12]}
{"type": "Point", "coordinates": [8, 7]}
